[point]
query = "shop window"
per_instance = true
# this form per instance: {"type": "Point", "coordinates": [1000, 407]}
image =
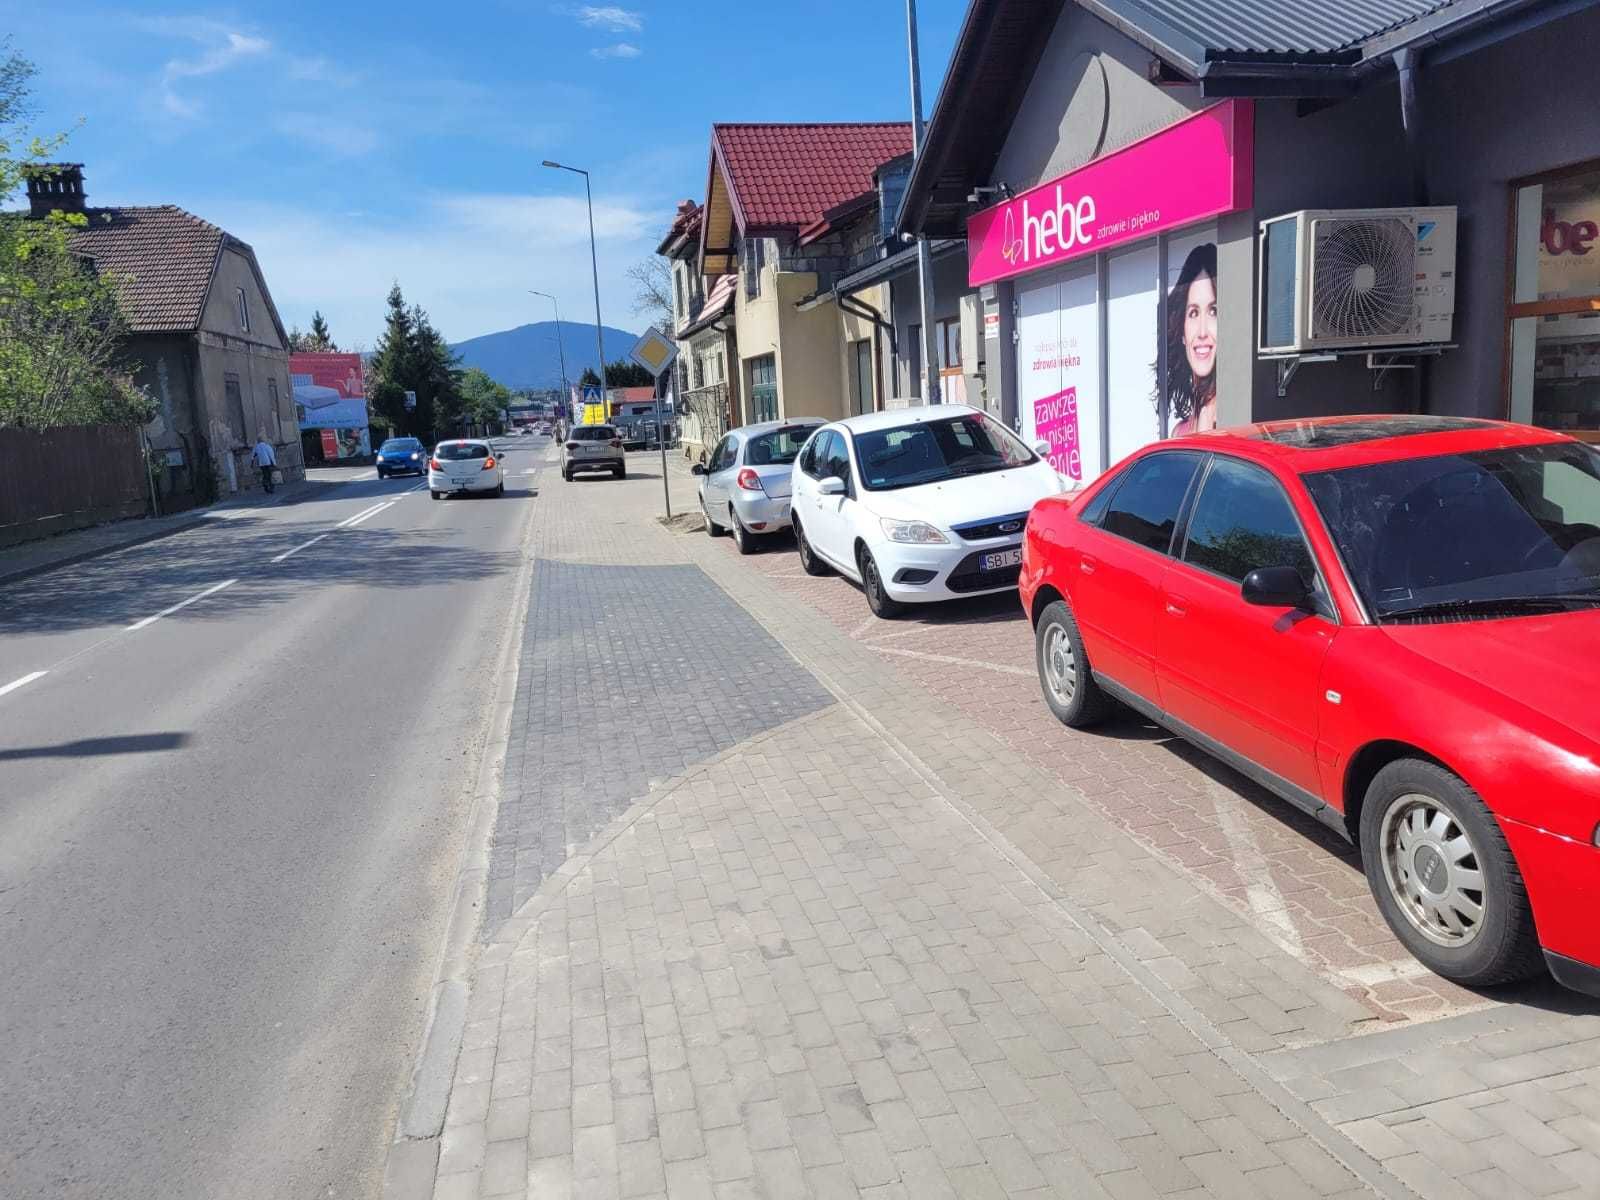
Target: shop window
{"type": "Point", "coordinates": [1554, 316]}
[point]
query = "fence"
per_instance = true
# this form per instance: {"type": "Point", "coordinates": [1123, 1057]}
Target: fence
{"type": "Point", "coordinates": [60, 479]}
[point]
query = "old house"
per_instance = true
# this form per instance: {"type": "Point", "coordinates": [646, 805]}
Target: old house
{"type": "Point", "coordinates": [204, 335]}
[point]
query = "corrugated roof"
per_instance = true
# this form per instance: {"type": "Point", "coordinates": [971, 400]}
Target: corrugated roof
{"type": "Point", "coordinates": [788, 176]}
{"type": "Point", "coordinates": [162, 259]}
{"type": "Point", "coordinates": [1286, 27]}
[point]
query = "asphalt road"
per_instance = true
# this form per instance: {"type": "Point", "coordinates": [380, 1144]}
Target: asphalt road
{"type": "Point", "coordinates": [227, 837]}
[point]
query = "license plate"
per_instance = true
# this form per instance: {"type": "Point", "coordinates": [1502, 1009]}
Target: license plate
{"type": "Point", "coordinates": [1001, 559]}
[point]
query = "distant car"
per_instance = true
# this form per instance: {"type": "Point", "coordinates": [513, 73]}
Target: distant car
{"type": "Point", "coordinates": [744, 485]}
{"type": "Point", "coordinates": [463, 466]}
{"type": "Point", "coordinates": [593, 448]}
{"type": "Point", "coordinates": [402, 456]}
{"type": "Point", "coordinates": [1392, 622]}
{"type": "Point", "coordinates": [917, 504]}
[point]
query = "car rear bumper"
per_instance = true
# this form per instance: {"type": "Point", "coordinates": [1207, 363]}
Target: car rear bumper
{"type": "Point", "coordinates": [1562, 876]}
{"type": "Point", "coordinates": [574, 465]}
{"type": "Point", "coordinates": [923, 574]}
{"type": "Point", "coordinates": [483, 481]}
{"type": "Point", "coordinates": [760, 512]}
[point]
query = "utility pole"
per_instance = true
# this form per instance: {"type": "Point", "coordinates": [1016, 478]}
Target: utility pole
{"type": "Point", "coordinates": [930, 344]}
{"type": "Point", "coordinates": [594, 266]}
{"type": "Point", "coordinates": [561, 350]}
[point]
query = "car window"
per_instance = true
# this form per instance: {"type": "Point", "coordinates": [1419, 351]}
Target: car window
{"type": "Point", "coordinates": [1094, 512]}
{"type": "Point", "coordinates": [838, 458]}
{"type": "Point", "coordinates": [459, 451]}
{"type": "Point", "coordinates": [728, 453]}
{"type": "Point", "coordinates": [1145, 507]}
{"type": "Point", "coordinates": [593, 433]}
{"type": "Point", "coordinates": [777, 448]}
{"type": "Point", "coordinates": [1242, 520]}
{"type": "Point", "coordinates": [811, 456]}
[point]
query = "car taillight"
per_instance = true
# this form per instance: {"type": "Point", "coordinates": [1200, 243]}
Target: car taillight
{"type": "Point", "coordinates": [572, 445]}
{"type": "Point", "coordinates": [616, 442]}
{"type": "Point", "coordinates": [433, 465]}
{"type": "Point", "coordinates": [488, 463]}
{"type": "Point", "coordinates": [750, 481]}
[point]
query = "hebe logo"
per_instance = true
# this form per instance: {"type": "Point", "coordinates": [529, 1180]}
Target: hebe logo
{"type": "Point", "coordinates": [1566, 237]}
{"type": "Point", "coordinates": [1054, 231]}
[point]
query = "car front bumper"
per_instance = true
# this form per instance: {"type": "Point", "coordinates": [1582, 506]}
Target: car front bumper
{"type": "Point", "coordinates": [402, 466]}
{"type": "Point", "coordinates": [1562, 876]}
{"type": "Point", "coordinates": [483, 481]}
{"type": "Point", "coordinates": [916, 574]}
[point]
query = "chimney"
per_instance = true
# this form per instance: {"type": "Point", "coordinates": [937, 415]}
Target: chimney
{"type": "Point", "coordinates": [54, 186]}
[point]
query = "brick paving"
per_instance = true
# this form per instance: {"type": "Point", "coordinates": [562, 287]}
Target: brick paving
{"type": "Point", "coordinates": [922, 939]}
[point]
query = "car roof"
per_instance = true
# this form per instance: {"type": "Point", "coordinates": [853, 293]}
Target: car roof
{"type": "Point", "coordinates": [750, 431]}
{"type": "Point", "coordinates": [1330, 443]}
{"type": "Point", "coordinates": [464, 442]}
{"type": "Point", "coordinates": [897, 418]}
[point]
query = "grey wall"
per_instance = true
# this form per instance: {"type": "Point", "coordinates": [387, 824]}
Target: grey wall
{"type": "Point", "coordinates": [949, 282]}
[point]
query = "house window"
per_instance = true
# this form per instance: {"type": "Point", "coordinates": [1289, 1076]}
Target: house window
{"type": "Point", "coordinates": [683, 374]}
{"type": "Point", "coordinates": [764, 388]}
{"type": "Point", "coordinates": [1553, 320]}
{"type": "Point", "coordinates": [244, 309]}
{"type": "Point", "coordinates": [754, 259]}
{"type": "Point", "coordinates": [683, 308]}
{"type": "Point", "coordinates": [949, 341]}
{"type": "Point", "coordinates": [862, 399]}
{"type": "Point", "coordinates": [699, 371]}
{"type": "Point", "coordinates": [722, 368]}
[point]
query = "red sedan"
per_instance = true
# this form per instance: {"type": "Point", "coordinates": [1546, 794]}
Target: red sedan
{"type": "Point", "coordinates": [1392, 623]}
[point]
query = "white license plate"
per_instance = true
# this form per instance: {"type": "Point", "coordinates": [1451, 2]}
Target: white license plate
{"type": "Point", "coordinates": [1001, 559]}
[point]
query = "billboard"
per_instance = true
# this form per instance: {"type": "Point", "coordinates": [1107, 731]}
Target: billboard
{"type": "Point", "coordinates": [330, 394]}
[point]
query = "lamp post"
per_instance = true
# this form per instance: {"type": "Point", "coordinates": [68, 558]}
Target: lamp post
{"type": "Point", "coordinates": [930, 345]}
{"type": "Point", "coordinates": [594, 266]}
{"type": "Point", "coordinates": [560, 349]}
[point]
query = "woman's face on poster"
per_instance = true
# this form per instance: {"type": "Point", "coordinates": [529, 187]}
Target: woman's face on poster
{"type": "Point", "coordinates": [1200, 326]}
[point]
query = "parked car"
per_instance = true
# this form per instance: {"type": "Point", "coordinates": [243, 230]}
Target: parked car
{"type": "Point", "coordinates": [593, 448]}
{"type": "Point", "coordinates": [402, 456]}
{"type": "Point", "coordinates": [1391, 622]}
{"type": "Point", "coordinates": [917, 504]}
{"type": "Point", "coordinates": [465, 465]}
{"type": "Point", "coordinates": [744, 484]}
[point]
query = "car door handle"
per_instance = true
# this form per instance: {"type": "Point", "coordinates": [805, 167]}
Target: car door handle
{"type": "Point", "coordinates": [1177, 605]}
{"type": "Point", "coordinates": [1086, 565]}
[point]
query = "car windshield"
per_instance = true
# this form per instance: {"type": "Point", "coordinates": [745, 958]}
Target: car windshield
{"type": "Point", "coordinates": [1514, 525]}
{"type": "Point", "coordinates": [777, 448]}
{"type": "Point", "coordinates": [396, 445]}
{"type": "Point", "coordinates": [930, 451]}
{"type": "Point", "coordinates": [458, 451]}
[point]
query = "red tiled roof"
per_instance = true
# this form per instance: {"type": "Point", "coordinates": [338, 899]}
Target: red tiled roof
{"type": "Point", "coordinates": [718, 301]}
{"type": "Point", "coordinates": [685, 227]}
{"type": "Point", "coordinates": [162, 258]}
{"type": "Point", "coordinates": [788, 176]}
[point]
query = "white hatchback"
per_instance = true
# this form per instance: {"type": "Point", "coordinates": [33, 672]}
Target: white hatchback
{"type": "Point", "coordinates": [917, 504]}
{"type": "Point", "coordinates": [464, 466]}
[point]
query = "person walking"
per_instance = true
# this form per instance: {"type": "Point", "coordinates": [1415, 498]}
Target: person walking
{"type": "Point", "coordinates": [265, 458]}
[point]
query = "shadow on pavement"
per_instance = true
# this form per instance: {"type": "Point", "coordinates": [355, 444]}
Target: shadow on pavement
{"type": "Point", "coordinates": [132, 743]}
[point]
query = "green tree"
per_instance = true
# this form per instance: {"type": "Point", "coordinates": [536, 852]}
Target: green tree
{"type": "Point", "coordinates": [623, 373]}
{"type": "Point", "coordinates": [390, 374]}
{"type": "Point", "coordinates": [319, 339]}
{"type": "Point", "coordinates": [62, 358]}
{"type": "Point", "coordinates": [482, 398]}
{"type": "Point", "coordinates": [412, 356]}
{"type": "Point", "coordinates": [588, 378]}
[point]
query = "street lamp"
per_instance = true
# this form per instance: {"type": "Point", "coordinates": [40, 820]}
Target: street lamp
{"type": "Point", "coordinates": [594, 266]}
{"type": "Point", "coordinates": [566, 399]}
{"type": "Point", "coordinates": [930, 346]}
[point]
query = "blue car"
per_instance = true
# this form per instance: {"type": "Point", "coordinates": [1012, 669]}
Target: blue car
{"type": "Point", "coordinates": [402, 456]}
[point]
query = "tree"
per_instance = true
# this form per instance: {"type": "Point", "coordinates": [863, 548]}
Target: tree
{"type": "Point", "coordinates": [319, 339]}
{"type": "Point", "coordinates": [623, 373]}
{"type": "Point", "coordinates": [391, 371]}
{"type": "Point", "coordinates": [482, 398]}
{"type": "Point", "coordinates": [652, 296]}
{"type": "Point", "coordinates": [62, 357]}
{"type": "Point", "coordinates": [588, 378]}
{"type": "Point", "coordinates": [412, 356]}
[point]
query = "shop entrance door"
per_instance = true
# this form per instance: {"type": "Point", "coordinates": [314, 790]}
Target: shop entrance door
{"type": "Point", "coordinates": [1058, 369]}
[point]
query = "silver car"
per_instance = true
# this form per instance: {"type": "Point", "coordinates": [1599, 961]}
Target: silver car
{"type": "Point", "coordinates": [593, 448]}
{"type": "Point", "coordinates": [744, 485]}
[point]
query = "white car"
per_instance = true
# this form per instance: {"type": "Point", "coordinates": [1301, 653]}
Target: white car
{"type": "Point", "coordinates": [917, 504]}
{"type": "Point", "coordinates": [463, 466]}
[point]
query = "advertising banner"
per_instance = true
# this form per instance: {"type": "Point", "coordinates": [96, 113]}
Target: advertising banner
{"type": "Point", "coordinates": [1198, 168]}
{"type": "Point", "coordinates": [330, 395]}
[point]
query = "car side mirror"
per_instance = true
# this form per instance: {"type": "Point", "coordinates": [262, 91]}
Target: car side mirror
{"type": "Point", "coordinates": [831, 486]}
{"type": "Point", "coordinates": [1275, 587]}
{"type": "Point", "coordinates": [1042, 449]}
{"type": "Point", "coordinates": [698, 469]}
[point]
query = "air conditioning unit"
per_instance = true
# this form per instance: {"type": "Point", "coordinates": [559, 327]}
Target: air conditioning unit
{"type": "Point", "coordinates": [1357, 277]}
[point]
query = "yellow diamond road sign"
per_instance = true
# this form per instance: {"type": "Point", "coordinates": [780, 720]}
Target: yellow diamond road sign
{"type": "Point", "coordinates": [654, 353]}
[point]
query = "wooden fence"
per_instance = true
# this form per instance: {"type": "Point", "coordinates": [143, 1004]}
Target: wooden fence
{"type": "Point", "coordinates": [66, 478]}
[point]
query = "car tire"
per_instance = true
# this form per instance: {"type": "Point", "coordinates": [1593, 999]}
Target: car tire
{"type": "Point", "coordinates": [621, 472]}
{"type": "Point", "coordinates": [883, 606]}
{"type": "Point", "coordinates": [500, 488]}
{"type": "Point", "coordinates": [712, 528]}
{"type": "Point", "coordinates": [743, 539]}
{"type": "Point", "coordinates": [383, 474]}
{"type": "Point", "coordinates": [809, 562]}
{"type": "Point", "coordinates": [433, 493]}
{"type": "Point", "coordinates": [1069, 687]}
{"type": "Point", "coordinates": [1413, 807]}
{"type": "Point", "coordinates": [566, 474]}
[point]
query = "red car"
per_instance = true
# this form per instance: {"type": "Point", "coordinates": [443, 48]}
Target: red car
{"type": "Point", "coordinates": [1392, 623]}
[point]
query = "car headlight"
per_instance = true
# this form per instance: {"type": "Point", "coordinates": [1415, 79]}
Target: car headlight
{"type": "Point", "coordinates": [416, 456]}
{"type": "Point", "coordinates": [918, 533]}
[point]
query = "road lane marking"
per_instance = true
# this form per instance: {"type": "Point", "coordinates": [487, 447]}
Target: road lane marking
{"type": "Point", "coordinates": [23, 682]}
{"type": "Point", "coordinates": [360, 517]}
{"type": "Point", "coordinates": [300, 547]}
{"type": "Point", "coordinates": [167, 612]}
{"type": "Point", "coordinates": [1003, 668]}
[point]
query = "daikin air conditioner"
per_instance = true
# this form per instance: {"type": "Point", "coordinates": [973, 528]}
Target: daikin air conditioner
{"type": "Point", "coordinates": [1357, 277]}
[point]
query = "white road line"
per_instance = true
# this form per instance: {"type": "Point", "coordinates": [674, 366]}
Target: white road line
{"type": "Point", "coordinates": [167, 612]}
{"type": "Point", "coordinates": [360, 516]}
{"type": "Point", "coordinates": [23, 682]}
{"type": "Point", "coordinates": [300, 547]}
{"type": "Point", "coordinates": [1003, 668]}
{"type": "Point", "coordinates": [1261, 890]}
{"type": "Point", "coordinates": [371, 512]}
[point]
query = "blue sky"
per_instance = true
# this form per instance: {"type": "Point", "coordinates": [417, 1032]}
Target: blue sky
{"type": "Point", "coordinates": [354, 143]}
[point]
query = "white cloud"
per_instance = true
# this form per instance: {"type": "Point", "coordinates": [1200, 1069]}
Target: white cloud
{"type": "Point", "coordinates": [221, 49]}
{"type": "Point", "coordinates": [620, 50]}
{"type": "Point", "coordinates": [611, 18]}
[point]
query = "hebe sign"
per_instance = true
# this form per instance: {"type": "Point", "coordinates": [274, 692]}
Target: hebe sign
{"type": "Point", "coordinates": [1199, 168]}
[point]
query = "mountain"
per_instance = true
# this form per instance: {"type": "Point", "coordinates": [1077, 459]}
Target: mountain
{"type": "Point", "coordinates": [526, 357]}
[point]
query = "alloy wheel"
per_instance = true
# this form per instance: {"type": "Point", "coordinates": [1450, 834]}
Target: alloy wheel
{"type": "Point", "coordinates": [1432, 870]}
{"type": "Point", "coordinates": [1060, 664]}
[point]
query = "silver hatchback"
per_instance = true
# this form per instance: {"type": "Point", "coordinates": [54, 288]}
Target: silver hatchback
{"type": "Point", "coordinates": [744, 485]}
{"type": "Point", "coordinates": [593, 448]}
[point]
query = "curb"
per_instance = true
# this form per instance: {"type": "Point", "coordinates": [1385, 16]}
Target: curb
{"type": "Point", "coordinates": [100, 551]}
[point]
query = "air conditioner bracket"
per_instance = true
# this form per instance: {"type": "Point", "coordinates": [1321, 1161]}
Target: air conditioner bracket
{"type": "Point", "coordinates": [1379, 362]}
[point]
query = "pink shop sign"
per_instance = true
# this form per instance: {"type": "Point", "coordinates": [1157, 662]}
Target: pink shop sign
{"type": "Point", "coordinates": [1199, 168]}
{"type": "Point", "coordinates": [1055, 420]}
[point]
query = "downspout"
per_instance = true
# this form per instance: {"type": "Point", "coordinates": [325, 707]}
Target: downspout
{"type": "Point", "coordinates": [1407, 65]}
{"type": "Point", "coordinates": [856, 309]}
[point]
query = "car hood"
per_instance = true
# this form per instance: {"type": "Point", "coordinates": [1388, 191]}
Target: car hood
{"type": "Point", "coordinates": [972, 498]}
{"type": "Point", "coordinates": [1544, 663]}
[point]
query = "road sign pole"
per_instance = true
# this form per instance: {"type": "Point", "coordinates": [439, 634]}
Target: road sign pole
{"type": "Point", "coordinates": [661, 440]}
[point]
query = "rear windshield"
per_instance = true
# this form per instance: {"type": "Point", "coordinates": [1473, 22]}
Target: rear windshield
{"type": "Point", "coordinates": [458, 451]}
{"type": "Point", "coordinates": [778, 448]}
{"type": "Point", "coordinates": [593, 433]}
